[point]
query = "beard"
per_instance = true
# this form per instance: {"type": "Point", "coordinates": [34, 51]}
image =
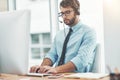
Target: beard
{"type": "Point", "coordinates": [70, 21]}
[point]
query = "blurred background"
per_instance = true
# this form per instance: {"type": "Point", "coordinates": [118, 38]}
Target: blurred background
{"type": "Point", "coordinates": [102, 15]}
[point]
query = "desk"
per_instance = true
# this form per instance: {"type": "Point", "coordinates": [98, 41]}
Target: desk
{"type": "Point", "coordinates": [17, 77]}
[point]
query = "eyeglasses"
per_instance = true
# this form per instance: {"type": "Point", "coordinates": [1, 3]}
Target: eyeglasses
{"type": "Point", "coordinates": [66, 13]}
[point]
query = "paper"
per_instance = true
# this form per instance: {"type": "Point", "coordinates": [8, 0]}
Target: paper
{"type": "Point", "coordinates": [87, 75]}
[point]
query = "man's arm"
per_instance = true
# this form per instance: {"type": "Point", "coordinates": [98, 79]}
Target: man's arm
{"type": "Point", "coordinates": [46, 62]}
{"type": "Point", "coordinates": [83, 60]}
{"type": "Point", "coordinates": [68, 67]}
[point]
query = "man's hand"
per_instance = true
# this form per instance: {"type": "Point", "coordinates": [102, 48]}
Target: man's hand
{"type": "Point", "coordinates": [68, 67]}
{"type": "Point", "coordinates": [42, 69]}
{"type": "Point", "coordinates": [34, 69]}
{"type": "Point", "coordinates": [52, 71]}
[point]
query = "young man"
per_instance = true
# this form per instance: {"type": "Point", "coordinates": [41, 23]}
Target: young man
{"type": "Point", "coordinates": [73, 54]}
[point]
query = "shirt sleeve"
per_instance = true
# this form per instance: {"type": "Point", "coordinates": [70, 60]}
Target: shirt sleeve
{"type": "Point", "coordinates": [86, 51]}
{"type": "Point", "coordinates": [52, 54]}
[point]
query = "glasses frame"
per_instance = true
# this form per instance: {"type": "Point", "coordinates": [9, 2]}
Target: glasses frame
{"type": "Point", "coordinates": [66, 13]}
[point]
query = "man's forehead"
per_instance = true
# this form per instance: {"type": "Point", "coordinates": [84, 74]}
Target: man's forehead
{"type": "Point", "coordinates": [65, 8]}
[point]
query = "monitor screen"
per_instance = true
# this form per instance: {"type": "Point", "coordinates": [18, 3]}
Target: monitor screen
{"type": "Point", "coordinates": [14, 41]}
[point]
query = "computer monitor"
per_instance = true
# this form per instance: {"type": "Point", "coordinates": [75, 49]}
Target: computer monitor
{"type": "Point", "coordinates": [14, 41]}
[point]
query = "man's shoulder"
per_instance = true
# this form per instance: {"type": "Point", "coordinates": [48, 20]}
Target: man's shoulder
{"type": "Point", "coordinates": [87, 28]}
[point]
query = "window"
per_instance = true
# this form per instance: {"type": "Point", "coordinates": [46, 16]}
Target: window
{"type": "Point", "coordinates": [40, 28]}
{"type": "Point", "coordinates": [40, 45]}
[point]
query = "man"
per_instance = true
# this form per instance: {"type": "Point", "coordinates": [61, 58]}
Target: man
{"type": "Point", "coordinates": [79, 49]}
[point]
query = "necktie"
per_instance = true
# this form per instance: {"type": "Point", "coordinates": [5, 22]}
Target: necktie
{"type": "Point", "coordinates": [64, 48]}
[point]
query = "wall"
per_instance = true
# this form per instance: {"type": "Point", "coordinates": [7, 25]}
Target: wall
{"type": "Point", "coordinates": [3, 5]}
{"type": "Point", "coordinates": [112, 32]}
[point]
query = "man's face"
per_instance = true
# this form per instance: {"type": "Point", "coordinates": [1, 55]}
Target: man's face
{"type": "Point", "coordinates": [68, 15]}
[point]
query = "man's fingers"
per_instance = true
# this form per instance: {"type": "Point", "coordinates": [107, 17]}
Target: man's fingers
{"type": "Point", "coordinates": [44, 69]}
{"type": "Point", "coordinates": [34, 69]}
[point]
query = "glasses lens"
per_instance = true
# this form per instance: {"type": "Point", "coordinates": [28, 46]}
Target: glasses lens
{"type": "Point", "coordinates": [66, 13]}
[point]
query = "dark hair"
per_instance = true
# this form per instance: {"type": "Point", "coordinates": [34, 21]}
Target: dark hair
{"type": "Point", "coordinates": [71, 3]}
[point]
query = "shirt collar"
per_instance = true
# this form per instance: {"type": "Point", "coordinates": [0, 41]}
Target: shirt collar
{"type": "Point", "coordinates": [76, 27]}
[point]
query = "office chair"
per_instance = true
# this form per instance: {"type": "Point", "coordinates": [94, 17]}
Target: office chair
{"type": "Point", "coordinates": [98, 63]}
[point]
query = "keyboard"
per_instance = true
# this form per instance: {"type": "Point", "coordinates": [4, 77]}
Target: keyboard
{"type": "Point", "coordinates": [38, 74]}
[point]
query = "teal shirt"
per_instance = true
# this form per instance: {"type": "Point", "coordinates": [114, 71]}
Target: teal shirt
{"type": "Point", "coordinates": [80, 47]}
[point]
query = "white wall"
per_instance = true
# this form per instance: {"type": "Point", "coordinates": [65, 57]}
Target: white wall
{"type": "Point", "coordinates": [40, 14]}
{"type": "Point", "coordinates": [112, 32]}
